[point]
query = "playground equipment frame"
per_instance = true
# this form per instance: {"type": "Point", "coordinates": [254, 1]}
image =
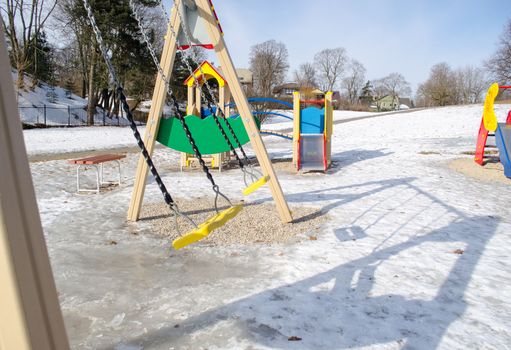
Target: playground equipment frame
{"type": "Point", "coordinates": [30, 316]}
{"type": "Point", "coordinates": [214, 30]}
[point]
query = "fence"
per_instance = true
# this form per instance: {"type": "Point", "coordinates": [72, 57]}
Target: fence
{"type": "Point", "coordinates": [47, 116]}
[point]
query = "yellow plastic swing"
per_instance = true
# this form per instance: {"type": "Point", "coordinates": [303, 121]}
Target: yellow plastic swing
{"type": "Point", "coordinates": [204, 229]}
{"type": "Point", "coordinates": [254, 186]}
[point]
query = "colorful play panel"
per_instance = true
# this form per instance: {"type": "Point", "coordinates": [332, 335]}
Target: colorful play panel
{"type": "Point", "coordinates": [312, 134]}
{"type": "Point", "coordinates": [502, 131]}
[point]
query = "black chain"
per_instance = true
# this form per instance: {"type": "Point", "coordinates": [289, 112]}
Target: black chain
{"type": "Point", "coordinates": [195, 149]}
{"type": "Point", "coordinates": [145, 153]}
{"type": "Point", "coordinates": [247, 161]}
{"type": "Point", "coordinates": [222, 131]}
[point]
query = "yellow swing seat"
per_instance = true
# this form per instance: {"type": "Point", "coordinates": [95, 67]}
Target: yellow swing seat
{"type": "Point", "coordinates": [254, 186]}
{"type": "Point", "coordinates": [204, 229]}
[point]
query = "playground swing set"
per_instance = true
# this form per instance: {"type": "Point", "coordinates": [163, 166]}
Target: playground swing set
{"type": "Point", "coordinates": [31, 316]}
{"type": "Point", "coordinates": [172, 136]}
{"type": "Point", "coordinates": [501, 131]}
{"type": "Point", "coordinates": [31, 313]}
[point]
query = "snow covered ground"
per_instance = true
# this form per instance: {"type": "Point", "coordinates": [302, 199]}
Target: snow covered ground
{"type": "Point", "coordinates": [67, 140]}
{"type": "Point", "coordinates": [415, 255]}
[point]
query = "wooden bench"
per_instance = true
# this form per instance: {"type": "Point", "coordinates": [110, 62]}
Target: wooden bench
{"type": "Point", "coordinates": [97, 163]}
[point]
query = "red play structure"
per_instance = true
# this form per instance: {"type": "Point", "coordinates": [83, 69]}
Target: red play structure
{"type": "Point", "coordinates": [488, 122]}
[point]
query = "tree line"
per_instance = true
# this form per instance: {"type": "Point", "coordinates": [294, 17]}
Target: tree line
{"type": "Point", "coordinates": [73, 60]}
{"type": "Point", "coordinates": [331, 69]}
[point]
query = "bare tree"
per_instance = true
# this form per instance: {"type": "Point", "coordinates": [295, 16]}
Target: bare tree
{"type": "Point", "coordinates": [440, 88]}
{"type": "Point", "coordinates": [23, 25]}
{"type": "Point", "coordinates": [354, 80]}
{"type": "Point", "coordinates": [330, 65]}
{"type": "Point", "coordinates": [393, 85]}
{"type": "Point", "coordinates": [269, 65]}
{"type": "Point", "coordinates": [499, 65]}
{"type": "Point", "coordinates": [305, 75]}
{"type": "Point", "coordinates": [470, 84]}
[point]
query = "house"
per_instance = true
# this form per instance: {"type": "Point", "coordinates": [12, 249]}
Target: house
{"type": "Point", "coordinates": [317, 94]}
{"type": "Point", "coordinates": [286, 90]}
{"type": "Point", "coordinates": [246, 78]}
{"type": "Point", "coordinates": [387, 103]}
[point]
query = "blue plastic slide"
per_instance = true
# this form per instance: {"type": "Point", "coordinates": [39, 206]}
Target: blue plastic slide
{"type": "Point", "coordinates": [503, 137]}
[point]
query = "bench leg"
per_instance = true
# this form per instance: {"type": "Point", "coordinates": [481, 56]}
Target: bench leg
{"type": "Point", "coordinates": [98, 177]}
{"type": "Point", "coordinates": [120, 175]}
{"type": "Point", "coordinates": [78, 178]}
{"type": "Point", "coordinates": [78, 189]}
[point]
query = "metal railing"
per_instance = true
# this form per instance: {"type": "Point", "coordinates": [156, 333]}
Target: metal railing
{"type": "Point", "coordinates": [48, 116]}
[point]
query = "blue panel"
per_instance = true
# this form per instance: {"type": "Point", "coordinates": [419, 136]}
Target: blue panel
{"type": "Point", "coordinates": [503, 138]}
{"type": "Point", "coordinates": [312, 121]}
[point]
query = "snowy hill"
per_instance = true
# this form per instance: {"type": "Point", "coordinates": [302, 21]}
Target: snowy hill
{"type": "Point", "coordinates": [54, 106]}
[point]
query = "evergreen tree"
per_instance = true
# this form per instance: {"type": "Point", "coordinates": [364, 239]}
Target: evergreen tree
{"type": "Point", "coordinates": [366, 97]}
{"type": "Point", "coordinates": [40, 56]}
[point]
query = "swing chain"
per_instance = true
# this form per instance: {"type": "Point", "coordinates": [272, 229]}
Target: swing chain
{"type": "Point", "coordinates": [212, 98]}
{"type": "Point", "coordinates": [175, 104]}
{"type": "Point", "coordinates": [179, 114]}
{"type": "Point", "coordinates": [120, 91]}
{"type": "Point", "coordinates": [210, 91]}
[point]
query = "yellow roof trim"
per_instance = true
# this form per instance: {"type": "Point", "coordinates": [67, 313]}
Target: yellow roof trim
{"type": "Point", "coordinates": [209, 73]}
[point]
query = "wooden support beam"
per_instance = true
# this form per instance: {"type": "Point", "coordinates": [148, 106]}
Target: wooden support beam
{"type": "Point", "coordinates": [238, 94]}
{"type": "Point", "coordinates": [329, 117]}
{"type": "Point", "coordinates": [227, 109]}
{"type": "Point", "coordinates": [221, 98]}
{"type": "Point", "coordinates": [198, 99]}
{"type": "Point", "coordinates": [30, 316]}
{"type": "Point", "coordinates": [296, 126]}
{"type": "Point", "coordinates": [155, 113]}
{"type": "Point", "coordinates": [190, 105]}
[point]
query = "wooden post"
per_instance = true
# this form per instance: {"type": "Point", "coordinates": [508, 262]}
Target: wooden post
{"type": "Point", "coordinates": [30, 316]}
{"type": "Point", "coordinates": [190, 105]}
{"type": "Point", "coordinates": [153, 122]}
{"type": "Point", "coordinates": [221, 98]}
{"type": "Point", "coordinates": [329, 117]}
{"type": "Point", "coordinates": [227, 109]}
{"type": "Point", "coordinates": [198, 99]}
{"type": "Point", "coordinates": [296, 127]}
{"type": "Point", "coordinates": [206, 12]}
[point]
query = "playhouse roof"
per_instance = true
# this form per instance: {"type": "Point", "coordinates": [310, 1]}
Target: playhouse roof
{"type": "Point", "coordinates": [209, 73]}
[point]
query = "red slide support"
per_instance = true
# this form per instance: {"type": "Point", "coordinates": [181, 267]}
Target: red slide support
{"type": "Point", "coordinates": [482, 137]}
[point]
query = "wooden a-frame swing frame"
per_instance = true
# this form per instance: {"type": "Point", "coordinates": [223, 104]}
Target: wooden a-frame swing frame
{"type": "Point", "coordinates": [160, 91]}
{"type": "Point", "coordinates": [30, 315]}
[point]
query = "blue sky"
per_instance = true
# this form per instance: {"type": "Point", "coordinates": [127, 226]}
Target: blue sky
{"type": "Point", "coordinates": [405, 36]}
